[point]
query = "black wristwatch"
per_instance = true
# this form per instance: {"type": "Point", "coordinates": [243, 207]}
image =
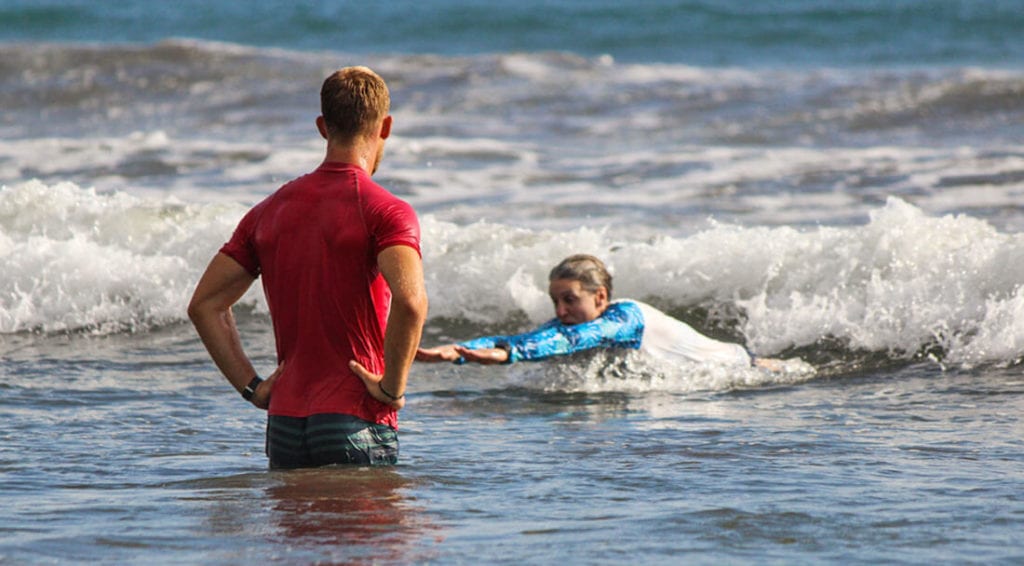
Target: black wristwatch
{"type": "Point", "coordinates": [250, 389]}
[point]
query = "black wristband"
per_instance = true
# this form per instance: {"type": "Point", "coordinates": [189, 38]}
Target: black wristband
{"type": "Point", "coordinates": [250, 389]}
{"type": "Point", "coordinates": [388, 395]}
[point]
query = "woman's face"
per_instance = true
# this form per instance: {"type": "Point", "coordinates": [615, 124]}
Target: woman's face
{"type": "Point", "coordinates": [574, 304]}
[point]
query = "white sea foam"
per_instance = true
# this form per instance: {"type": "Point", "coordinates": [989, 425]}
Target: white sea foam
{"type": "Point", "coordinates": [903, 283]}
{"type": "Point", "coordinates": [75, 259]}
{"type": "Point", "coordinates": [612, 371]}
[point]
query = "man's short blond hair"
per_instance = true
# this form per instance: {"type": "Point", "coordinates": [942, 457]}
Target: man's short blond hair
{"type": "Point", "coordinates": [353, 102]}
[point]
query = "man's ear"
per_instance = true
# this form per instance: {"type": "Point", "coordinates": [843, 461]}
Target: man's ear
{"type": "Point", "coordinates": [321, 125]}
{"type": "Point", "coordinates": [601, 297]}
{"type": "Point", "coordinates": [385, 128]}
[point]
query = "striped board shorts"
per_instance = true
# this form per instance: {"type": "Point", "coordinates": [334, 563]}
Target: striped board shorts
{"type": "Point", "coordinates": [325, 439]}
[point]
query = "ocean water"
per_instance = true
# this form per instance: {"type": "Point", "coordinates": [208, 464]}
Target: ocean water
{"type": "Point", "coordinates": [832, 180]}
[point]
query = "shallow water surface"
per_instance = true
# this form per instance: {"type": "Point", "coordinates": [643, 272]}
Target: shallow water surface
{"type": "Point", "coordinates": [110, 458]}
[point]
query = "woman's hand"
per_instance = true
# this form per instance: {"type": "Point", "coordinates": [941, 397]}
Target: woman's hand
{"type": "Point", "coordinates": [486, 356]}
{"type": "Point", "coordinates": [438, 354]}
{"type": "Point", "coordinates": [452, 353]}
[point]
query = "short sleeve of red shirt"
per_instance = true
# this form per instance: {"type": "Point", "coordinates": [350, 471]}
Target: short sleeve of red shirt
{"type": "Point", "coordinates": [241, 246]}
{"type": "Point", "coordinates": [393, 222]}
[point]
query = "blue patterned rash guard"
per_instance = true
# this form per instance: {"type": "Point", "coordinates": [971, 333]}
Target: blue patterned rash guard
{"type": "Point", "coordinates": [624, 324]}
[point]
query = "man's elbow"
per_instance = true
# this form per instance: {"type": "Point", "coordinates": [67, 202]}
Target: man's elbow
{"type": "Point", "coordinates": [195, 311]}
{"type": "Point", "coordinates": [414, 307]}
{"type": "Point", "coordinates": [420, 307]}
{"type": "Point", "coordinates": [199, 310]}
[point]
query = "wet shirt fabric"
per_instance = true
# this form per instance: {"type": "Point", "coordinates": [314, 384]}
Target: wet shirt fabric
{"type": "Point", "coordinates": [315, 243]}
{"type": "Point", "coordinates": [624, 324]}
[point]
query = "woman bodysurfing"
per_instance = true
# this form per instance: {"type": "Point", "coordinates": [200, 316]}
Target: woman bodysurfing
{"type": "Point", "coordinates": [586, 317]}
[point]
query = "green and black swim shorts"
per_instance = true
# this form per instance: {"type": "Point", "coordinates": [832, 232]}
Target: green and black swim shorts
{"type": "Point", "coordinates": [325, 439]}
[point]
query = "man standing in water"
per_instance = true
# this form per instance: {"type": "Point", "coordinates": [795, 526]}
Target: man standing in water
{"type": "Point", "coordinates": [342, 273]}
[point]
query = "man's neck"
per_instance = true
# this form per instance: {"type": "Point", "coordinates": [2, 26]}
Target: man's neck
{"type": "Point", "coordinates": [359, 155]}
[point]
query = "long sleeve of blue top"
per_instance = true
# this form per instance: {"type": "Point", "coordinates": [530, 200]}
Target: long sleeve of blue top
{"type": "Point", "coordinates": [620, 326]}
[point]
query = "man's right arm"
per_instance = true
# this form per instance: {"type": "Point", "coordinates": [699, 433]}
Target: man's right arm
{"type": "Point", "coordinates": [221, 286]}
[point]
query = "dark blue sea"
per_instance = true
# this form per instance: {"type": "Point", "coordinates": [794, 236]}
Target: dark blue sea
{"type": "Point", "coordinates": [836, 181]}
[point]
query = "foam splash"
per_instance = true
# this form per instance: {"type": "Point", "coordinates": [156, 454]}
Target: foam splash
{"type": "Point", "coordinates": [77, 260]}
{"type": "Point", "coordinates": [631, 372]}
{"type": "Point", "coordinates": [903, 284]}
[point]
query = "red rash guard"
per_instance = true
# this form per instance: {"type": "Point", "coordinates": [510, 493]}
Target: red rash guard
{"type": "Point", "coordinates": [315, 242]}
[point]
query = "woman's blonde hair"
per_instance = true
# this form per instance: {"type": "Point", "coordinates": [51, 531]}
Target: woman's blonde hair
{"type": "Point", "coordinates": [587, 269]}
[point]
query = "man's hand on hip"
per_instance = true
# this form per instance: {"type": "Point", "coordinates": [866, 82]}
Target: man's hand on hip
{"type": "Point", "coordinates": [375, 386]}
